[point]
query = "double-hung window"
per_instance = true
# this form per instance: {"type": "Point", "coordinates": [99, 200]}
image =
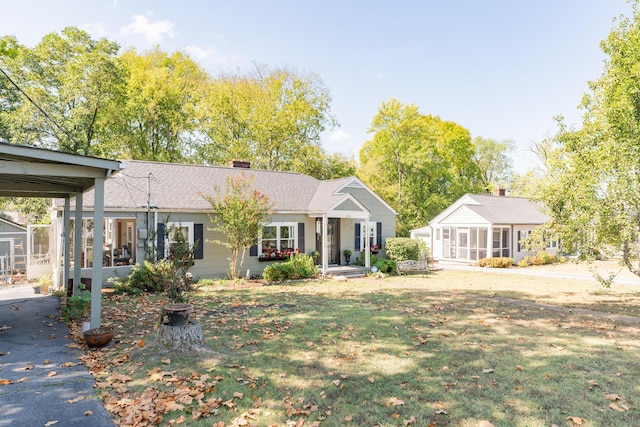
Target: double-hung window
{"type": "Point", "coordinates": [371, 234]}
{"type": "Point", "coordinates": [175, 231]}
{"type": "Point", "coordinates": [278, 237]}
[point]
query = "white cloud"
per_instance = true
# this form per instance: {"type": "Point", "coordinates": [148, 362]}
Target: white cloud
{"type": "Point", "coordinates": [199, 53]}
{"type": "Point", "coordinates": [339, 135]}
{"type": "Point", "coordinates": [152, 31]}
{"type": "Point", "coordinates": [380, 75]}
{"type": "Point", "coordinates": [97, 30]}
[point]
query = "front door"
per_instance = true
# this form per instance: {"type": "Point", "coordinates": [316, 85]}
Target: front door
{"type": "Point", "coordinates": [333, 240]}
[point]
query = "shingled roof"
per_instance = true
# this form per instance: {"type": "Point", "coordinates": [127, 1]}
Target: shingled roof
{"type": "Point", "coordinates": [507, 210]}
{"type": "Point", "coordinates": [180, 187]}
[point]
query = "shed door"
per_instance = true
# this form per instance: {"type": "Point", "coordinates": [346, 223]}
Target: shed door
{"type": "Point", "coordinates": [39, 251]}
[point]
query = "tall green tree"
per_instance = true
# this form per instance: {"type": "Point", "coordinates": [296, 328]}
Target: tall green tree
{"type": "Point", "coordinates": [238, 212]}
{"type": "Point", "coordinates": [71, 79]}
{"type": "Point", "coordinates": [418, 163]}
{"type": "Point", "coordinates": [493, 161]}
{"type": "Point", "coordinates": [156, 120]}
{"type": "Point", "coordinates": [593, 196]}
{"type": "Point", "coordinates": [271, 117]}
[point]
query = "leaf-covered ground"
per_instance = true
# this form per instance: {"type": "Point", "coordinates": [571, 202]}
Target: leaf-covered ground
{"type": "Point", "coordinates": [451, 349]}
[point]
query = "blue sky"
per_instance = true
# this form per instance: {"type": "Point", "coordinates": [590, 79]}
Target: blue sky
{"type": "Point", "coordinates": [501, 68]}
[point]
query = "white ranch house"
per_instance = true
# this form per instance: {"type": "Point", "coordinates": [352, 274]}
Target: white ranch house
{"type": "Point", "coordinates": [482, 226]}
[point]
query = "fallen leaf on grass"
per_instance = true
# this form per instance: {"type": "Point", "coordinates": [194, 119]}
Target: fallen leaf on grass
{"type": "Point", "coordinates": [26, 368]}
{"type": "Point", "coordinates": [336, 383]}
{"type": "Point", "coordinates": [4, 381]}
{"type": "Point", "coordinates": [576, 421]}
{"type": "Point", "coordinates": [21, 380]}
{"type": "Point", "coordinates": [394, 401]}
{"type": "Point", "coordinates": [166, 360]}
{"type": "Point", "coordinates": [52, 374]}
{"type": "Point", "coordinates": [87, 413]}
{"type": "Point", "coordinates": [485, 423]}
{"type": "Point", "coordinates": [50, 423]}
{"type": "Point", "coordinates": [47, 361]}
{"type": "Point", "coordinates": [395, 415]}
{"type": "Point", "coordinates": [618, 408]}
{"type": "Point", "coordinates": [487, 371]}
{"type": "Point", "coordinates": [77, 399]}
{"type": "Point", "coordinates": [411, 420]}
{"type": "Point", "coordinates": [348, 418]}
{"type": "Point", "coordinates": [371, 380]}
{"type": "Point", "coordinates": [614, 397]}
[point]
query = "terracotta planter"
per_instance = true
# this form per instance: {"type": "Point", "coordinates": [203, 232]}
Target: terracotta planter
{"type": "Point", "coordinates": [98, 337]}
{"type": "Point", "coordinates": [177, 313]}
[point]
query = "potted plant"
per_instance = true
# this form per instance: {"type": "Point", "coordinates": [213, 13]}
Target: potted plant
{"type": "Point", "coordinates": [44, 282]}
{"type": "Point", "coordinates": [178, 280]}
{"type": "Point", "coordinates": [347, 256]}
{"type": "Point", "coordinates": [78, 308]}
{"type": "Point", "coordinates": [315, 255]}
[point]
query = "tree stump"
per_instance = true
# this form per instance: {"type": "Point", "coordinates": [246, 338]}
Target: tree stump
{"type": "Point", "coordinates": [187, 338]}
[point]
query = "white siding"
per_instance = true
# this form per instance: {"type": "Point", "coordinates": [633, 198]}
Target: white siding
{"type": "Point", "coordinates": [464, 216]}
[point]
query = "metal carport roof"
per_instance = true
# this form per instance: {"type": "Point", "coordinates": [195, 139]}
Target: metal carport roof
{"type": "Point", "coordinates": [36, 172]}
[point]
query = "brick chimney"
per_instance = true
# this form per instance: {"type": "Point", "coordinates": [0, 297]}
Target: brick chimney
{"type": "Point", "coordinates": [243, 164]}
{"type": "Point", "coordinates": [500, 192]}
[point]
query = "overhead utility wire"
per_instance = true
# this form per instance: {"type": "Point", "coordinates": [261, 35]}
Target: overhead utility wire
{"type": "Point", "coordinates": [39, 108]}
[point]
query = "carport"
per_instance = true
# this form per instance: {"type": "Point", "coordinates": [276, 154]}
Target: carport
{"type": "Point", "coordinates": [35, 172]}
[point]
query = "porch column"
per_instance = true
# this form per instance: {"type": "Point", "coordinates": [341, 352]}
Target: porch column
{"type": "Point", "coordinates": [98, 241]}
{"type": "Point", "coordinates": [66, 233]}
{"type": "Point", "coordinates": [77, 243]}
{"type": "Point", "coordinates": [490, 241]}
{"type": "Point", "coordinates": [325, 249]}
{"type": "Point", "coordinates": [367, 244]}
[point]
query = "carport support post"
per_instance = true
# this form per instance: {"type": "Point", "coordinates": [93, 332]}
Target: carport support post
{"type": "Point", "coordinates": [77, 243]}
{"type": "Point", "coordinates": [98, 241]}
{"type": "Point", "coordinates": [66, 224]}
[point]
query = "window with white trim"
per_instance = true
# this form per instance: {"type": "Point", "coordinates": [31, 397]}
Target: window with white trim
{"type": "Point", "coordinates": [278, 236]}
{"type": "Point", "coordinates": [501, 246]}
{"type": "Point", "coordinates": [171, 235]}
{"type": "Point", "coordinates": [371, 233]}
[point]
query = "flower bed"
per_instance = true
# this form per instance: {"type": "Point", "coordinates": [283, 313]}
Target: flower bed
{"type": "Point", "coordinates": [276, 255]}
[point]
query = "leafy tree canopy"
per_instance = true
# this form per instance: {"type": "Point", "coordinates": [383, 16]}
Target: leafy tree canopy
{"type": "Point", "coordinates": [593, 177]}
{"type": "Point", "coordinates": [418, 163]}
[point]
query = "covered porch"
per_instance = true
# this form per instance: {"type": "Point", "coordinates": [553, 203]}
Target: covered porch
{"type": "Point", "coordinates": [329, 227]}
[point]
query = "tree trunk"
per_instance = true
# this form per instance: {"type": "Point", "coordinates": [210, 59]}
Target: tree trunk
{"type": "Point", "coordinates": [186, 338]}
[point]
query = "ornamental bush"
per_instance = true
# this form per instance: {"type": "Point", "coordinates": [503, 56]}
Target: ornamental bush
{"type": "Point", "coordinates": [402, 249]}
{"type": "Point", "coordinates": [299, 266]}
{"type": "Point", "coordinates": [541, 258]}
{"type": "Point", "coordinates": [496, 262]}
{"type": "Point", "coordinates": [386, 266]}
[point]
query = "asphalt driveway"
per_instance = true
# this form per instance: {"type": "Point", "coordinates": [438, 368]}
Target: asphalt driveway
{"type": "Point", "coordinates": [41, 378]}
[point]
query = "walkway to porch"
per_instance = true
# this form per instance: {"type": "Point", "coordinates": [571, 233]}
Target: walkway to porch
{"type": "Point", "coordinates": [347, 271]}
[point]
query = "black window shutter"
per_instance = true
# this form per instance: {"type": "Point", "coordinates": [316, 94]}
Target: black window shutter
{"type": "Point", "coordinates": [198, 240]}
{"type": "Point", "coordinates": [356, 245]}
{"type": "Point", "coordinates": [160, 241]}
{"type": "Point", "coordinates": [253, 250]}
{"type": "Point", "coordinates": [301, 236]}
{"type": "Point", "coordinates": [379, 234]}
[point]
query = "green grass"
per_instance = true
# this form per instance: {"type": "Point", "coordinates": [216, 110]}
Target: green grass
{"type": "Point", "coordinates": [409, 351]}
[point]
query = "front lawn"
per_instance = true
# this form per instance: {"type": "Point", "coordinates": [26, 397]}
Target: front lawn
{"type": "Point", "coordinates": [451, 349]}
